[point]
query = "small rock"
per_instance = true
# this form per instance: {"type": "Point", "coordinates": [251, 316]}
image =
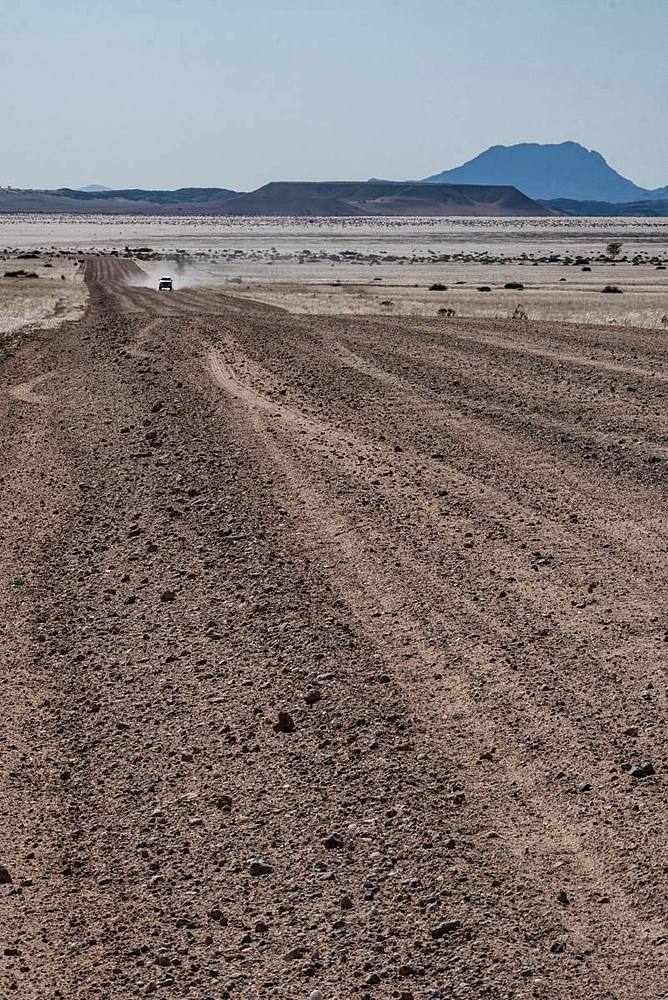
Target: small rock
{"type": "Point", "coordinates": [631, 731]}
{"type": "Point", "coordinates": [643, 770]}
{"type": "Point", "coordinates": [316, 995]}
{"type": "Point", "coordinates": [311, 697]}
{"type": "Point", "coordinates": [333, 841]}
{"type": "Point", "coordinates": [5, 877]}
{"type": "Point", "coordinates": [373, 979]}
{"type": "Point", "coordinates": [167, 596]}
{"type": "Point", "coordinates": [447, 927]}
{"type": "Point", "coordinates": [562, 897]}
{"type": "Point", "coordinates": [407, 970]}
{"type": "Point", "coordinates": [457, 798]}
{"type": "Point", "coordinates": [260, 927]}
{"type": "Point", "coordinates": [295, 953]}
{"type": "Point", "coordinates": [259, 867]}
{"type": "Point", "coordinates": [285, 724]}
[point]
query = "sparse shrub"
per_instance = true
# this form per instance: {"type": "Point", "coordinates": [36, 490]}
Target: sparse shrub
{"type": "Point", "coordinates": [520, 314]}
{"type": "Point", "coordinates": [664, 320]}
{"type": "Point", "coordinates": [514, 284]}
{"type": "Point", "coordinates": [388, 303]}
{"type": "Point", "coordinates": [446, 311]}
{"type": "Point", "coordinates": [586, 269]}
{"type": "Point", "coordinates": [614, 249]}
{"type": "Point", "coordinates": [484, 288]}
{"type": "Point", "coordinates": [612, 289]}
{"type": "Point", "coordinates": [438, 287]}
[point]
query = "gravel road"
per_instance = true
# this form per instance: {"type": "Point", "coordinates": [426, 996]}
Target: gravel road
{"type": "Point", "coordinates": [334, 655]}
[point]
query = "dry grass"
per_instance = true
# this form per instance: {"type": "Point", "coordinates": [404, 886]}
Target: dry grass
{"type": "Point", "coordinates": [576, 304]}
{"type": "Point", "coordinates": [39, 302]}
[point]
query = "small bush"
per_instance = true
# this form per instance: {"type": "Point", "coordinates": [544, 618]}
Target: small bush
{"type": "Point", "coordinates": [517, 285]}
{"type": "Point", "coordinates": [484, 288]}
{"type": "Point", "coordinates": [586, 269]}
{"type": "Point", "coordinates": [520, 314]}
{"type": "Point", "coordinates": [446, 311]}
{"type": "Point", "coordinates": [438, 287]}
{"type": "Point", "coordinates": [612, 289]}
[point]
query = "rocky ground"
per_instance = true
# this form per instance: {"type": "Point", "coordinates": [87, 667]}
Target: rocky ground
{"type": "Point", "coordinates": [334, 655]}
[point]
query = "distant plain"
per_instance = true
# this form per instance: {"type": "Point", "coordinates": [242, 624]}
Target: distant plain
{"type": "Point", "coordinates": [369, 266]}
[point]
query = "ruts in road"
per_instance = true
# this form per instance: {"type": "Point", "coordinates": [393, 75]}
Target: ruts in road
{"type": "Point", "coordinates": [333, 655]}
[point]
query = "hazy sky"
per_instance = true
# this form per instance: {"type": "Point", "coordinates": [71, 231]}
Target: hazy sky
{"type": "Point", "coordinates": [232, 93]}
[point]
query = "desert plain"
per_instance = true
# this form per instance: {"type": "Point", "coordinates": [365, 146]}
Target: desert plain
{"type": "Point", "coordinates": [334, 609]}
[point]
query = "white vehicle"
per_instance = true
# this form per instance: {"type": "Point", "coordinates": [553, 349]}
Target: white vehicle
{"type": "Point", "coordinates": [165, 284]}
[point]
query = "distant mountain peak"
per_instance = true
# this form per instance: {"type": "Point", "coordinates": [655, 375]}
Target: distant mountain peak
{"type": "Point", "coordinates": [94, 188]}
{"type": "Point", "coordinates": [546, 171]}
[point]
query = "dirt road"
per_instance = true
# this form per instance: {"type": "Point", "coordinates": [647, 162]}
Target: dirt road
{"type": "Point", "coordinates": [334, 656]}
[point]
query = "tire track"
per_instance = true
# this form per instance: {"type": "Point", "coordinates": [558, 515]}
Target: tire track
{"type": "Point", "coordinates": [536, 832]}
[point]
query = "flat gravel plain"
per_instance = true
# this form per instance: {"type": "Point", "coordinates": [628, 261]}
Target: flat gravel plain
{"type": "Point", "coordinates": [334, 655]}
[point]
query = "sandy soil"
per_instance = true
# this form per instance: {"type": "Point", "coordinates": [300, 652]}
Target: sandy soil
{"type": "Point", "coordinates": [334, 655]}
{"type": "Point", "coordinates": [282, 234]}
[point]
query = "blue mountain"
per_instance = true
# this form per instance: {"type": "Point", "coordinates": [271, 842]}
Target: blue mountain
{"type": "Point", "coordinates": [559, 170]}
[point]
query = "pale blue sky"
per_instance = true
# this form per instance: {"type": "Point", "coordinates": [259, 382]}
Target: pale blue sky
{"type": "Point", "coordinates": [229, 93]}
